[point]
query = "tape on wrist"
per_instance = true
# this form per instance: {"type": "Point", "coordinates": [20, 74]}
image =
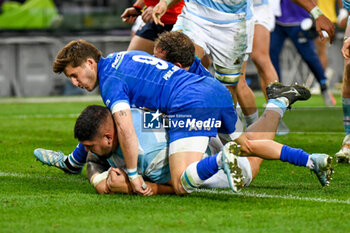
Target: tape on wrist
{"type": "Point", "coordinates": [98, 178]}
{"type": "Point", "coordinates": [132, 173]}
{"type": "Point", "coordinates": [316, 12]}
{"type": "Point", "coordinates": [345, 38]}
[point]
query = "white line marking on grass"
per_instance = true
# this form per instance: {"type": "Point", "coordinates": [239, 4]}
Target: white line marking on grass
{"type": "Point", "coordinates": [287, 197]}
{"type": "Point", "coordinates": [27, 116]}
{"type": "Point", "coordinates": [66, 178]}
{"type": "Point", "coordinates": [213, 191]}
{"type": "Point", "coordinates": [58, 99]}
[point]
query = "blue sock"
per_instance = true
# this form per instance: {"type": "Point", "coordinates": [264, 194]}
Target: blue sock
{"type": "Point", "coordinates": [207, 167]}
{"type": "Point", "coordinates": [294, 156]}
{"type": "Point", "coordinates": [78, 156]}
{"type": "Point", "coordinates": [346, 114]}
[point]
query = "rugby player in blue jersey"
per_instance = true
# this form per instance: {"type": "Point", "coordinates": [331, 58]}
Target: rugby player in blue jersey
{"type": "Point", "coordinates": [137, 79]}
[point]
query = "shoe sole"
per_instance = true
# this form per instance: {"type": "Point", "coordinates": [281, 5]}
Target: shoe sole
{"type": "Point", "coordinates": [231, 169]}
{"type": "Point", "coordinates": [329, 170]}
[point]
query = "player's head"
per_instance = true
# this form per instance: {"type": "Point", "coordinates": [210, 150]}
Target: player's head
{"type": "Point", "coordinates": [78, 61]}
{"type": "Point", "coordinates": [175, 47]}
{"type": "Point", "coordinates": [95, 129]}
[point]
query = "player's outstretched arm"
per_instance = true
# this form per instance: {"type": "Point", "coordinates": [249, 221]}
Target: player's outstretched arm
{"type": "Point", "coordinates": [322, 22]}
{"type": "Point", "coordinates": [118, 182]}
{"type": "Point", "coordinates": [130, 14]}
{"type": "Point", "coordinates": [129, 144]}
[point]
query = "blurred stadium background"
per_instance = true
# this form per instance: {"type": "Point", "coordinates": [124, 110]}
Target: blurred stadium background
{"type": "Point", "coordinates": [33, 31]}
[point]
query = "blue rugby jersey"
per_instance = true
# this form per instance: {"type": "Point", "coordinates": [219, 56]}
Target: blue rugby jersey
{"type": "Point", "coordinates": [198, 68]}
{"type": "Point", "coordinates": [141, 80]}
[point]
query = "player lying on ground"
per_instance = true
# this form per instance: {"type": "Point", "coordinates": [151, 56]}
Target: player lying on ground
{"type": "Point", "coordinates": [138, 79]}
{"type": "Point", "coordinates": [96, 131]}
{"type": "Point", "coordinates": [152, 161]}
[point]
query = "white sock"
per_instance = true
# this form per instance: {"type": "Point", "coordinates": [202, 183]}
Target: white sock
{"type": "Point", "coordinates": [250, 119]}
{"type": "Point", "coordinates": [310, 163]}
{"type": "Point", "coordinates": [218, 159]}
{"type": "Point", "coordinates": [277, 105]}
{"type": "Point", "coordinates": [190, 179]}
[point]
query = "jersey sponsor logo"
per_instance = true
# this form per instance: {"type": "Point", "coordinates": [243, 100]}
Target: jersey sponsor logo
{"type": "Point", "coordinates": [118, 60]}
{"type": "Point", "coordinates": [158, 63]}
{"type": "Point", "coordinates": [108, 102]}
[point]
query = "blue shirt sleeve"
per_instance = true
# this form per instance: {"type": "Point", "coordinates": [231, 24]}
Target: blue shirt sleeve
{"type": "Point", "coordinates": [113, 91]}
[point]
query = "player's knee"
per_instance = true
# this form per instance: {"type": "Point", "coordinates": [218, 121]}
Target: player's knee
{"type": "Point", "coordinates": [178, 187]}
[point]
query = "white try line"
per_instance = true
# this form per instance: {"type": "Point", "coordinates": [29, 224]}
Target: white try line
{"type": "Point", "coordinates": [286, 197]}
{"type": "Point", "coordinates": [29, 116]}
{"type": "Point", "coordinates": [20, 175]}
{"type": "Point", "coordinates": [213, 191]}
{"type": "Point", "coordinates": [56, 99]}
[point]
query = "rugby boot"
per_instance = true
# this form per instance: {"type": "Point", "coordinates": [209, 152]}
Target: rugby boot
{"type": "Point", "coordinates": [230, 153]}
{"type": "Point", "coordinates": [54, 158]}
{"type": "Point", "coordinates": [292, 93]}
{"type": "Point", "coordinates": [322, 167]}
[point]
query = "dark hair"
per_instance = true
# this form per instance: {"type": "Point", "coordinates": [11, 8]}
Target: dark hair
{"type": "Point", "coordinates": [179, 47]}
{"type": "Point", "coordinates": [87, 125]}
{"type": "Point", "coordinates": [75, 53]}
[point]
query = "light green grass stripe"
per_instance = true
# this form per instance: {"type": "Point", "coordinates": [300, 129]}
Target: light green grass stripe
{"type": "Point", "coordinates": [287, 197]}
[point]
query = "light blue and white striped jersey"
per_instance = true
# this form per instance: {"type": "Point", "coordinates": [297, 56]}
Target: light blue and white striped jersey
{"type": "Point", "coordinates": [260, 2]}
{"type": "Point", "coordinates": [220, 11]}
{"type": "Point", "coordinates": [346, 4]}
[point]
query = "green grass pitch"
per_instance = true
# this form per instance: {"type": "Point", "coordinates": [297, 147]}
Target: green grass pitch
{"type": "Point", "coordinates": [283, 198]}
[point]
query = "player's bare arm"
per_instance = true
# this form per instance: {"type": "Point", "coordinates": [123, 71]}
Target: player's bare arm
{"type": "Point", "coordinates": [129, 145]}
{"type": "Point", "coordinates": [130, 14]}
{"type": "Point", "coordinates": [346, 46]}
{"type": "Point", "coordinates": [95, 167]}
{"type": "Point", "coordinates": [322, 22]}
{"type": "Point", "coordinates": [118, 182]}
{"type": "Point", "coordinates": [160, 9]}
